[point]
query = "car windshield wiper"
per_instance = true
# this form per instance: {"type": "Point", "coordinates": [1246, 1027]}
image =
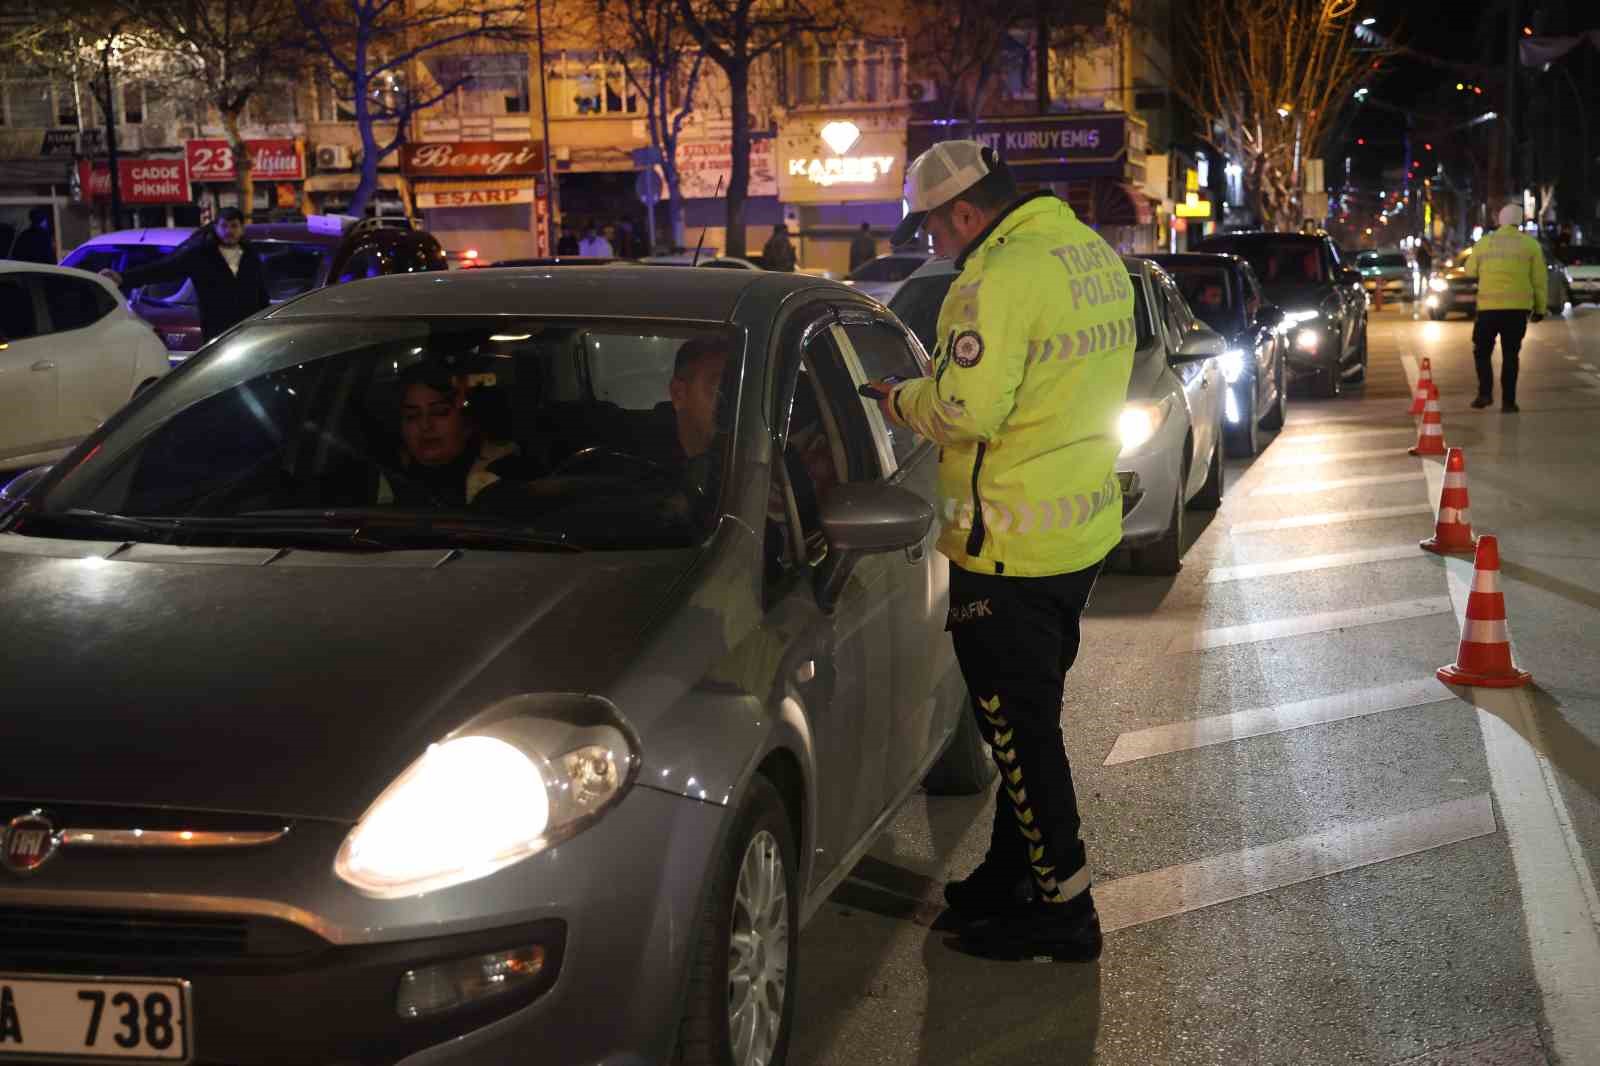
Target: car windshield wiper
{"type": "Point", "coordinates": [77, 521]}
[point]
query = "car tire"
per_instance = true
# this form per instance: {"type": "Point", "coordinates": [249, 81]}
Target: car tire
{"type": "Point", "coordinates": [1361, 360]}
{"type": "Point", "coordinates": [966, 767]}
{"type": "Point", "coordinates": [1329, 383]}
{"type": "Point", "coordinates": [1244, 440]}
{"type": "Point", "coordinates": [1273, 420]}
{"type": "Point", "coordinates": [1209, 498]}
{"type": "Point", "coordinates": [739, 905]}
{"type": "Point", "coordinates": [1437, 313]}
{"type": "Point", "coordinates": [1165, 557]}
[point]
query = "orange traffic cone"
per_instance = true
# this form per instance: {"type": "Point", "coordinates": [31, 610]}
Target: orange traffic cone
{"type": "Point", "coordinates": [1426, 389]}
{"type": "Point", "coordinates": [1452, 532]}
{"type": "Point", "coordinates": [1484, 658]}
{"type": "Point", "coordinates": [1430, 435]}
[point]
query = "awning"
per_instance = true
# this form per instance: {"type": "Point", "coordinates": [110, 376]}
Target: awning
{"type": "Point", "coordinates": [347, 182]}
{"type": "Point", "coordinates": [1120, 204]}
{"type": "Point", "coordinates": [35, 171]}
{"type": "Point", "coordinates": [441, 193]}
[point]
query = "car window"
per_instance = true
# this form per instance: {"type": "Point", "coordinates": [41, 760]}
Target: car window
{"type": "Point", "coordinates": [1276, 262]}
{"type": "Point", "coordinates": [884, 351]}
{"type": "Point", "coordinates": [490, 419]}
{"type": "Point", "coordinates": [1253, 300]}
{"type": "Point", "coordinates": [917, 304]}
{"type": "Point", "coordinates": [289, 269]}
{"type": "Point", "coordinates": [364, 263]}
{"type": "Point", "coordinates": [73, 303]}
{"type": "Point", "coordinates": [1175, 314]}
{"type": "Point", "coordinates": [17, 319]}
{"type": "Point", "coordinates": [1210, 293]}
{"type": "Point", "coordinates": [179, 292]}
{"type": "Point", "coordinates": [96, 257]}
{"type": "Point", "coordinates": [1141, 312]}
{"type": "Point", "coordinates": [888, 268]}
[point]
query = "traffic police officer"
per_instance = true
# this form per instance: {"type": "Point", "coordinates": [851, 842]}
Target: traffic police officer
{"type": "Point", "coordinates": [1035, 346]}
{"type": "Point", "coordinates": [1509, 266]}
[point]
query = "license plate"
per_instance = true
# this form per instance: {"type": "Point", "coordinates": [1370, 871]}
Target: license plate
{"type": "Point", "coordinates": [90, 1018]}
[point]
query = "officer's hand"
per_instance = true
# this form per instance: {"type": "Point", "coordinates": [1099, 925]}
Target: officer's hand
{"type": "Point", "coordinates": [107, 272]}
{"type": "Point", "coordinates": [1535, 318]}
{"type": "Point", "coordinates": [883, 392]}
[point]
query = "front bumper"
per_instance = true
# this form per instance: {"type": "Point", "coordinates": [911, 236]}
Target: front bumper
{"type": "Point", "coordinates": [311, 973]}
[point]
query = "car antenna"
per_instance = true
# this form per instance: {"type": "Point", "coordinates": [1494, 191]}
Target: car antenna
{"type": "Point", "coordinates": [716, 194]}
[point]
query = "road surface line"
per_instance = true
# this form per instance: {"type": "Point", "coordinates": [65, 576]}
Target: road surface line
{"type": "Point", "coordinates": [1317, 438]}
{"type": "Point", "coordinates": [1328, 518]}
{"type": "Point", "coordinates": [1263, 721]}
{"type": "Point", "coordinates": [1589, 366]}
{"type": "Point", "coordinates": [1306, 563]}
{"type": "Point", "coordinates": [1228, 636]}
{"type": "Point", "coordinates": [1374, 417]}
{"type": "Point", "coordinates": [1560, 906]}
{"type": "Point", "coordinates": [1296, 488]}
{"type": "Point", "coordinates": [1570, 358]}
{"type": "Point", "coordinates": [1321, 458]}
{"type": "Point", "coordinates": [1148, 897]}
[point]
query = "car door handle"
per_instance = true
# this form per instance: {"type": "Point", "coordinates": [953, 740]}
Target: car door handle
{"type": "Point", "coordinates": [806, 671]}
{"type": "Point", "coordinates": [915, 553]}
{"type": "Point", "coordinates": [43, 364]}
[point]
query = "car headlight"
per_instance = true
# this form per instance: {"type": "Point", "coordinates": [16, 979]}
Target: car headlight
{"type": "Point", "coordinates": [1292, 317]}
{"type": "Point", "coordinates": [1308, 339]}
{"type": "Point", "coordinates": [1437, 285]}
{"type": "Point", "coordinates": [521, 777]}
{"type": "Point", "coordinates": [1141, 421]}
{"type": "Point", "coordinates": [1232, 363]}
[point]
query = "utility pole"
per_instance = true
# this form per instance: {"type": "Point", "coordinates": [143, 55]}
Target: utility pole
{"type": "Point", "coordinates": [544, 116]}
{"type": "Point", "coordinates": [1041, 58]}
{"type": "Point", "coordinates": [1513, 43]}
{"type": "Point", "coordinates": [110, 110]}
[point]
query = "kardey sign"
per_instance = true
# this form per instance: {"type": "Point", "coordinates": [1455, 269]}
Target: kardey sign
{"type": "Point", "coordinates": [270, 160]}
{"type": "Point", "coordinates": [139, 181]}
{"type": "Point", "coordinates": [472, 159]}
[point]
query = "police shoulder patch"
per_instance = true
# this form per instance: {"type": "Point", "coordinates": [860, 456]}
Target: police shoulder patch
{"type": "Point", "coordinates": [967, 349]}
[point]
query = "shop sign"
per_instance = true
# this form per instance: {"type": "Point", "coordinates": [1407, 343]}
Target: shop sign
{"type": "Point", "coordinates": [476, 196]}
{"type": "Point", "coordinates": [702, 163]}
{"type": "Point", "coordinates": [139, 181]}
{"type": "Point", "coordinates": [840, 162]}
{"type": "Point", "coordinates": [1048, 147]}
{"type": "Point", "coordinates": [276, 159]}
{"type": "Point", "coordinates": [472, 159]}
{"type": "Point", "coordinates": [59, 143]}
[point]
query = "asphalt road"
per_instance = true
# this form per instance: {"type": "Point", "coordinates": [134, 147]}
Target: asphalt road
{"type": "Point", "coordinates": [1307, 850]}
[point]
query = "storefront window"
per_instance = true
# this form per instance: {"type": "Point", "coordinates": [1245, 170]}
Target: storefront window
{"type": "Point", "coordinates": [848, 73]}
{"type": "Point", "coordinates": [585, 83]}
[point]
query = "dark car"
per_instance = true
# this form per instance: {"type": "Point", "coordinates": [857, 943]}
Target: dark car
{"type": "Point", "coordinates": [543, 753]}
{"type": "Point", "coordinates": [1321, 297]}
{"type": "Point", "coordinates": [1223, 292]}
{"type": "Point", "coordinates": [295, 257]}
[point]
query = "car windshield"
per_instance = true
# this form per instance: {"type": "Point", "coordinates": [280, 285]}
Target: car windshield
{"type": "Point", "coordinates": [888, 268]}
{"type": "Point", "coordinates": [289, 269]}
{"type": "Point", "coordinates": [1209, 295]}
{"type": "Point", "coordinates": [917, 303]}
{"type": "Point", "coordinates": [1276, 262]}
{"type": "Point", "coordinates": [1380, 259]}
{"type": "Point", "coordinates": [1582, 256]}
{"type": "Point", "coordinates": [407, 432]}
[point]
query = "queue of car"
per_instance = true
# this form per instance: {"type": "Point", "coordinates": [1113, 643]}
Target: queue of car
{"type": "Point", "coordinates": [1451, 288]}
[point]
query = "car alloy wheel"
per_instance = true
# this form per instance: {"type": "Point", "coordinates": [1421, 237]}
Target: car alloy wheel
{"type": "Point", "coordinates": [1243, 440]}
{"type": "Point", "coordinates": [758, 953]}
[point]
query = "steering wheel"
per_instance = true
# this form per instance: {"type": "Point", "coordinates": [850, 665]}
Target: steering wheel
{"type": "Point", "coordinates": [591, 461]}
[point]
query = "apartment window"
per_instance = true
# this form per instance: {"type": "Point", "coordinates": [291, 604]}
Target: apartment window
{"type": "Point", "coordinates": [490, 84]}
{"type": "Point", "coordinates": [66, 105]}
{"type": "Point", "coordinates": [28, 104]}
{"type": "Point", "coordinates": [586, 83]}
{"type": "Point", "coordinates": [832, 74]}
{"type": "Point", "coordinates": [333, 103]}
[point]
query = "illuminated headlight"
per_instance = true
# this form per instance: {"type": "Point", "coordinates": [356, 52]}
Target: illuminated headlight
{"type": "Point", "coordinates": [1141, 421]}
{"type": "Point", "coordinates": [1432, 300]}
{"type": "Point", "coordinates": [1438, 285]}
{"type": "Point", "coordinates": [1232, 363]}
{"type": "Point", "coordinates": [523, 776]}
{"type": "Point", "coordinates": [1307, 340]}
{"type": "Point", "coordinates": [1293, 317]}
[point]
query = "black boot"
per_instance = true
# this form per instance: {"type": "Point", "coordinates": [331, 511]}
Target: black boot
{"type": "Point", "coordinates": [1482, 401]}
{"type": "Point", "coordinates": [993, 888]}
{"type": "Point", "coordinates": [1045, 932]}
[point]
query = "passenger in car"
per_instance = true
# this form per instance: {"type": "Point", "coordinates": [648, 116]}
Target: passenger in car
{"type": "Point", "coordinates": [446, 460]}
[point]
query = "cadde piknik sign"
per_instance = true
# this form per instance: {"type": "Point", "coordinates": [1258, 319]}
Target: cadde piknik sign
{"type": "Point", "coordinates": [471, 159]}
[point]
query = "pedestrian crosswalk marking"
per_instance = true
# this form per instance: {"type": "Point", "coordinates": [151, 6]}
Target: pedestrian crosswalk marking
{"type": "Point", "coordinates": [1320, 457]}
{"type": "Point", "coordinates": [1328, 518]}
{"type": "Point", "coordinates": [1301, 625]}
{"type": "Point", "coordinates": [1293, 488]}
{"type": "Point", "coordinates": [1307, 563]}
{"type": "Point", "coordinates": [1296, 439]}
{"type": "Point", "coordinates": [1263, 721]}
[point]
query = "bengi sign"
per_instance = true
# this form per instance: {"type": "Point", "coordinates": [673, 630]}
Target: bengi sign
{"type": "Point", "coordinates": [467, 159]}
{"type": "Point", "coordinates": [843, 170]}
{"type": "Point", "coordinates": [276, 159]}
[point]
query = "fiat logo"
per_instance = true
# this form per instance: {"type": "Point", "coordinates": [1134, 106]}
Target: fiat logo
{"type": "Point", "coordinates": [28, 843]}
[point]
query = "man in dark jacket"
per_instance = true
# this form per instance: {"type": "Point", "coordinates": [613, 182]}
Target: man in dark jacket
{"type": "Point", "coordinates": [36, 244]}
{"type": "Point", "coordinates": [224, 268]}
{"type": "Point", "coordinates": [778, 253]}
{"type": "Point", "coordinates": [863, 249]}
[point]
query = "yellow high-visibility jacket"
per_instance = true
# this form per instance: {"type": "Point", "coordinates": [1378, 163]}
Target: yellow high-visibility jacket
{"type": "Point", "coordinates": [1035, 346]}
{"type": "Point", "coordinates": [1509, 266]}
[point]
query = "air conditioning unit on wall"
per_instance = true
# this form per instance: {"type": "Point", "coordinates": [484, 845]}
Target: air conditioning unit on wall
{"type": "Point", "coordinates": [333, 157]}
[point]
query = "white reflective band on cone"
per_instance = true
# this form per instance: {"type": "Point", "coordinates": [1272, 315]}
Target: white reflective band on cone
{"type": "Point", "coordinates": [1456, 516]}
{"type": "Point", "coordinates": [1486, 631]}
{"type": "Point", "coordinates": [1455, 480]}
{"type": "Point", "coordinates": [1486, 581]}
{"type": "Point", "coordinates": [1432, 429]}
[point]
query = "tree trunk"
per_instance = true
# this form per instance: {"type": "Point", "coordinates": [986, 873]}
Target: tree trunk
{"type": "Point", "coordinates": [109, 112]}
{"type": "Point", "coordinates": [243, 182]}
{"type": "Point", "coordinates": [739, 176]}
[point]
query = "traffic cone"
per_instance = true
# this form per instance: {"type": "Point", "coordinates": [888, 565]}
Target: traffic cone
{"type": "Point", "coordinates": [1452, 532]}
{"type": "Point", "coordinates": [1430, 435]}
{"type": "Point", "coordinates": [1426, 389]}
{"type": "Point", "coordinates": [1484, 658]}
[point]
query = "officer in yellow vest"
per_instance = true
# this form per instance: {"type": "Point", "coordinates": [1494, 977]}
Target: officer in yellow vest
{"type": "Point", "coordinates": [1035, 346]}
{"type": "Point", "coordinates": [1512, 287]}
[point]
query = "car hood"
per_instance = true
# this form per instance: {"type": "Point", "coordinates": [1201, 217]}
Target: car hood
{"type": "Point", "coordinates": [203, 679]}
{"type": "Point", "coordinates": [1299, 297]}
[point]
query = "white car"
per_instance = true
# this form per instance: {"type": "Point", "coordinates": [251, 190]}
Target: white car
{"type": "Point", "coordinates": [882, 277]}
{"type": "Point", "coordinates": [1583, 273]}
{"type": "Point", "coordinates": [71, 353]}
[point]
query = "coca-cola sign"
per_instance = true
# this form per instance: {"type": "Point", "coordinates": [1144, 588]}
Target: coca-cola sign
{"type": "Point", "coordinates": [471, 159]}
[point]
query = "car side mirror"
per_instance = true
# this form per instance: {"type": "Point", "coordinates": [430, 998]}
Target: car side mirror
{"type": "Point", "coordinates": [13, 490]}
{"type": "Point", "coordinates": [866, 518]}
{"type": "Point", "coordinates": [1198, 344]}
{"type": "Point", "coordinates": [1349, 277]}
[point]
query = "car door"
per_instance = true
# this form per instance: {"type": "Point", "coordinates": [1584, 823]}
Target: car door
{"type": "Point", "coordinates": [95, 352]}
{"type": "Point", "coordinates": [1263, 337]}
{"type": "Point", "coordinates": [28, 368]}
{"type": "Point", "coordinates": [837, 660]}
{"type": "Point", "coordinates": [1202, 387]}
{"type": "Point", "coordinates": [923, 657]}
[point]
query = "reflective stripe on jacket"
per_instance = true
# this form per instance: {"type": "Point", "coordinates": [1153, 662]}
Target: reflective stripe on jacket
{"type": "Point", "coordinates": [1509, 266]}
{"type": "Point", "coordinates": [1035, 346]}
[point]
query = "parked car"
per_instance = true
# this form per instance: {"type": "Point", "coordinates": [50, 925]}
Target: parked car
{"type": "Point", "coordinates": [1583, 273]}
{"type": "Point", "coordinates": [1222, 291]}
{"type": "Point", "coordinates": [295, 256]}
{"type": "Point", "coordinates": [1320, 296]}
{"type": "Point", "coordinates": [1453, 289]}
{"type": "Point", "coordinates": [879, 278]}
{"type": "Point", "coordinates": [563, 769]}
{"type": "Point", "coordinates": [70, 355]}
{"type": "Point", "coordinates": [1391, 270]}
{"type": "Point", "coordinates": [1171, 426]}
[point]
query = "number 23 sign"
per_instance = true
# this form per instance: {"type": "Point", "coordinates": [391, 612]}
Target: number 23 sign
{"type": "Point", "coordinates": [275, 160]}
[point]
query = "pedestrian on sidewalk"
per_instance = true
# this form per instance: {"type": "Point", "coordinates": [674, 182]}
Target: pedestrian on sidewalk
{"type": "Point", "coordinates": [1512, 291]}
{"type": "Point", "coordinates": [778, 253]}
{"type": "Point", "coordinates": [863, 249]}
{"type": "Point", "coordinates": [224, 267]}
{"type": "Point", "coordinates": [1028, 384]}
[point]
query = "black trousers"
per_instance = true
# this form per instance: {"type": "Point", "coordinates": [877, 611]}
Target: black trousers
{"type": "Point", "coordinates": [1016, 638]}
{"type": "Point", "coordinates": [1509, 326]}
